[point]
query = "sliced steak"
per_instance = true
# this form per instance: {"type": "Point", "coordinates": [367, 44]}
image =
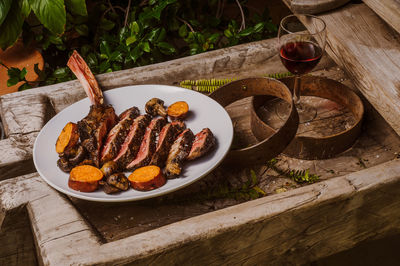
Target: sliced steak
{"type": "Point", "coordinates": [117, 134]}
{"type": "Point", "coordinates": [94, 128]}
{"type": "Point", "coordinates": [178, 153]}
{"type": "Point", "coordinates": [204, 141]}
{"type": "Point", "coordinates": [131, 144]}
{"type": "Point", "coordinates": [148, 145]}
{"type": "Point", "coordinates": [167, 136]}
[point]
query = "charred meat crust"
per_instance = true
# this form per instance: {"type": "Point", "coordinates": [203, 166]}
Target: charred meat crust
{"type": "Point", "coordinates": [166, 137]}
{"type": "Point", "coordinates": [94, 128]}
{"type": "Point", "coordinates": [178, 153]}
{"type": "Point", "coordinates": [204, 142]}
{"type": "Point", "coordinates": [117, 134]}
{"type": "Point", "coordinates": [131, 144]}
{"type": "Point", "coordinates": [148, 145]}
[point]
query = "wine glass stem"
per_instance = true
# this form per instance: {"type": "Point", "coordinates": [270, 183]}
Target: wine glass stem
{"type": "Point", "coordinates": [296, 92]}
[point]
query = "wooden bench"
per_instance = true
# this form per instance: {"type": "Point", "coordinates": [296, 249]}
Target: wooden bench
{"type": "Point", "coordinates": [355, 200]}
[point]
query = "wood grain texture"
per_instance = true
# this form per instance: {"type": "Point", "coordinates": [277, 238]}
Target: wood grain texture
{"type": "Point", "coordinates": [388, 10]}
{"type": "Point", "coordinates": [313, 6]}
{"type": "Point", "coordinates": [296, 227]}
{"type": "Point", "coordinates": [369, 51]}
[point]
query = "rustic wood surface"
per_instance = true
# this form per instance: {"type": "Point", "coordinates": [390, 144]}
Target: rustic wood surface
{"type": "Point", "coordinates": [298, 226]}
{"type": "Point", "coordinates": [349, 205]}
{"type": "Point", "coordinates": [369, 51]}
{"type": "Point", "coordinates": [388, 10]}
{"type": "Point", "coordinates": [314, 6]}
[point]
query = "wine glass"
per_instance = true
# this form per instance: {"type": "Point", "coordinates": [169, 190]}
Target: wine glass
{"type": "Point", "coordinates": [300, 50]}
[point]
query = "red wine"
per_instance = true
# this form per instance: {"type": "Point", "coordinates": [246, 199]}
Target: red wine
{"type": "Point", "coordinates": [300, 57]}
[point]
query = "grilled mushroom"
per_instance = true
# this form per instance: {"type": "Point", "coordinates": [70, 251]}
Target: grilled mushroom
{"type": "Point", "coordinates": [118, 180]}
{"type": "Point", "coordinates": [109, 168]}
{"type": "Point", "coordinates": [155, 107]}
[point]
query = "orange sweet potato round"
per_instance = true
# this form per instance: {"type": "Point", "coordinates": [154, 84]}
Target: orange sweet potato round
{"type": "Point", "coordinates": [84, 178]}
{"type": "Point", "coordinates": [147, 178]}
{"type": "Point", "coordinates": [178, 110]}
{"type": "Point", "coordinates": [68, 138]}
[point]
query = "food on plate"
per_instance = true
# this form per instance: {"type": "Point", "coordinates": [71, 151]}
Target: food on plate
{"type": "Point", "coordinates": [68, 138]}
{"type": "Point", "coordinates": [118, 180]}
{"type": "Point", "coordinates": [155, 107]}
{"type": "Point", "coordinates": [100, 147]}
{"type": "Point", "coordinates": [177, 155]}
{"type": "Point", "coordinates": [131, 144]}
{"type": "Point", "coordinates": [167, 136]}
{"type": "Point", "coordinates": [147, 178]}
{"type": "Point", "coordinates": [101, 118]}
{"type": "Point", "coordinates": [148, 145]}
{"type": "Point", "coordinates": [109, 168]}
{"type": "Point", "coordinates": [85, 178]}
{"type": "Point", "coordinates": [204, 141]}
{"type": "Point", "coordinates": [117, 134]}
{"type": "Point", "coordinates": [178, 110]}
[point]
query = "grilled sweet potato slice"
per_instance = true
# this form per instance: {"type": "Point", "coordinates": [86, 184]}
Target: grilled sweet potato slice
{"type": "Point", "coordinates": [147, 178]}
{"type": "Point", "coordinates": [68, 138]}
{"type": "Point", "coordinates": [85, 178]}
{"type": "Point", "coordinates": [178, 110]}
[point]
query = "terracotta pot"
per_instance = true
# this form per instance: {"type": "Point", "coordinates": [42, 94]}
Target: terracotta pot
{"type": "Point", "coordinates": [19, 56]}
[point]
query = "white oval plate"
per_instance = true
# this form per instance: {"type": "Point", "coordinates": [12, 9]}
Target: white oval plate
{"type": "Point", "coordinates": [205, 112]}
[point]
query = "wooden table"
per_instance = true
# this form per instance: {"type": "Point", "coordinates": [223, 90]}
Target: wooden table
{"type": "Point", "coordinates": [357, 198]}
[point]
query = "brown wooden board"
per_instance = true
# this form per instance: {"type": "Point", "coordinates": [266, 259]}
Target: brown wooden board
{"type": "Point", "coordinates": [353, 202]}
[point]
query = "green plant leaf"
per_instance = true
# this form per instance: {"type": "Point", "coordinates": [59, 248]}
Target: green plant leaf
{"type": "Point", "coordinates": [228, 33]}
{"type": "Point", "coordinates": [135, 28]}
{"type": "Point", "coordinates": [259, 27]}
{"type": "Point", "coordinates": [12, 81]}
{"type": "Point", "coordinates": [11, 27]}
{"type": "Point", "coordinates": [5, 6]}
{"type": "Point", "coordinates": [130, 40]}
{"type": "Point", "coordinates": [183, 31]}
{"type": "Point", "coordinates": [82, 29]}
{"type": "Point", "coordinates": [146, 47]}
{"type": "Point", "coordinates": [77, 7]}
{"type": "Point", "coordinates": [166, 48]}
{"type": "Point", "coordinates": [39, 72]}
{"type": "Point", "coordinates": [152, 35]}
{"type": "Point", "coordinates": [162, 35]}
{"type": "Point", "coordinates": [116, 56]}
{"type": "Point", "coordinates": [92, 59]}
{"type": "Point", "coordinates": [104, 66]}
{"type": "Point", "coordinates": [51, 13]}
{"type": "Point", "coordinates": [106, 24]}
{"type": "Point", "coordinates": [136, 52]}
{"type": "Point", "coordinates": [13, 72]}
{"type": "Point", "coordinates": [24, 86]}
{"type": "Point", "coordinates": [158, 9]}
{"type": "Point", "coordinates": [55, 39]}
{"type": "Point", "coordinates": [105, 49]}
{"type": "Point", "coordinates": [22, 74]}
{"type": "Point", "coordinates": [61, 72]}
{"type": "Point", "coordinates": [246, 32]}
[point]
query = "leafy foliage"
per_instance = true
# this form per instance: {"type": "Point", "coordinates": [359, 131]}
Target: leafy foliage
{"type": "Point", "coordinates": [299, 176]}
{"type": "Point", "coordinates": [110, 35]}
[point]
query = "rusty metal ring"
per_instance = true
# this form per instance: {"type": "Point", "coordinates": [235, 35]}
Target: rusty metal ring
{"type": "Point", "coordinates": [311, 148]}
{"type": "Point", "coordinates": [270, 145]}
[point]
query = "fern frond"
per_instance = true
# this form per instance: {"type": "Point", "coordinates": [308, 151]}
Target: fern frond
{"type": "Point", "coordinates": [210, 85]}
{"type": "Point", "coordinates": [299, 176]}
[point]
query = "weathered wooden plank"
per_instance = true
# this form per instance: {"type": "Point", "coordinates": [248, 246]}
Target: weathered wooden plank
{"type": "Point", "coordinates": [314, 6]}
{"type": "Point", "coordinates": [16, 155]}
{"type": "Point", "coordinates": [369, 51]}
{"type": "Point", "coordinates": [388, 10]}
{"type": "Point", "coordinates": [295, 227]}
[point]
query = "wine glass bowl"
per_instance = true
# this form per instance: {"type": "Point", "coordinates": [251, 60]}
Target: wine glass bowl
{"type": "Point", "coordinates": [300, 49]}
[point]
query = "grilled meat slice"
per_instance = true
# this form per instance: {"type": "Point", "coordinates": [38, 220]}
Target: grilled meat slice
{"type": "Point", "coordinates": [131, 144]}
{"type": "Point", "coordinates": [94, 128]}
{"type": "Point", "coordinates": [148, 145]}
{"type": "Point", "coordinates": [117, 134]}
{"type": "Point", "coordinates": [167, 136]}
{"type": "Point", "coordinates": [204, 141]}
{"type": "Point", "coordinates": [178, 153]}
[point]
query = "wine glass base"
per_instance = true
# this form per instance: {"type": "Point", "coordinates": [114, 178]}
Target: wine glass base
{"type": "Point", "coordinates": [307, 113]}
